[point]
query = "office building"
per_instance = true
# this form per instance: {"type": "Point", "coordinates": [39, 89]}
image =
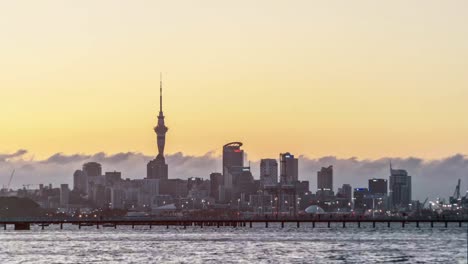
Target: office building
{"type": "Point", "coordinates": [64, 195]}
{"type": "Point", "coordinates": [325, 179]}
{"type": "Point", "coordinates": [362, 199]}
{"type": "Point", "coordinates": [216, 180]}
{"type": "Point", "coordinates": [233, 156]}
{"type": "Point", "coordinates": [400, 189]}
{"type": "Point", "coordinates": [268, 172]}
{"type": "Point", "coordinates": [378, 187]}
{"type": "Point", "coordinates": [92, 169]}
{"type": "Point", "coordinates": [79, 181]}
{"type": "Point", "coordinates": [289, 168]}
{"type": "Point", "coordinates": [345, 192]}
{"type": "Point", "coordinates": [325, 182]}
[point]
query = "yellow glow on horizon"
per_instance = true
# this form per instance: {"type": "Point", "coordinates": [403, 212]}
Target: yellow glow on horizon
{"type": "Point", "coordinates": [366, 79]}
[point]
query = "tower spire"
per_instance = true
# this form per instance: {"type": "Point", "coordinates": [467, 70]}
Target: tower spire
{"type": "Point", "coordinates": [160, 92]}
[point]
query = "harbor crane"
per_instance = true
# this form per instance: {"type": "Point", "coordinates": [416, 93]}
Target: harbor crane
{"type": "Point", "coordinates": [424, 203]}
{"type": "Point", "coordinates": [11, 178]}
{"type": "Point", "coordinates": [456, 194]}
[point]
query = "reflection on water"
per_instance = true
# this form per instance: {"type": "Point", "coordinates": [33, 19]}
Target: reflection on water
{"type": "Point", "coordinates": [233, 245]}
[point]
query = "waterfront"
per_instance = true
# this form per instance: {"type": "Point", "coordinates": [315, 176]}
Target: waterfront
{"type": "Point", "coordinates": [233, 245]}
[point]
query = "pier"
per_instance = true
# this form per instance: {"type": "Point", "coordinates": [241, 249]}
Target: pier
{"type": "Point", "coordinates": [25, 224]}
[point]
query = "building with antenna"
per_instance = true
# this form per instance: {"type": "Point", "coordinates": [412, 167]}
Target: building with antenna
{"type": "Point", "coordinates": [157, 168]}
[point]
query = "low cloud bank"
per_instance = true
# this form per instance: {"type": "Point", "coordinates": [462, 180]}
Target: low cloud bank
{"type": "Point", "coordinates": [431, 178]}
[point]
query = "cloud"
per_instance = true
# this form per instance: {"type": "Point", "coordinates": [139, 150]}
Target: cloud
{"type": "Point", "coordinates": [60, 158]}
{"type": "Point", "coordinates": [19, 153]}
{"type": "Point", "coordinates": [431, 178]}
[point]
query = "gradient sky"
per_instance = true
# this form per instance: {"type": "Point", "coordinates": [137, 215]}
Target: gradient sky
{"type": "Point", "coordinates": [347, 78]}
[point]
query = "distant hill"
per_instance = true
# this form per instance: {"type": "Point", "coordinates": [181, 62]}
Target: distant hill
{"type": "Point", "coordinates": [18, 207]}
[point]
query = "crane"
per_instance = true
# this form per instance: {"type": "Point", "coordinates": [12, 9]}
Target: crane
{"type": "Point", "coordinates": [11, 178]}
{"type": "Point", "coordinates": [456, 194]}
{"type": "Point", "coordinates": [424, 203]}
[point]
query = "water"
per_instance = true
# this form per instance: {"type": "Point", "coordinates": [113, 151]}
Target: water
{"type": "Point", "coordinates": [235, 245]}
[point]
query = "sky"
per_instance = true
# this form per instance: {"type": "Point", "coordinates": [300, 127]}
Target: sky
{"type": "Point", "coordinates": [366, 79]}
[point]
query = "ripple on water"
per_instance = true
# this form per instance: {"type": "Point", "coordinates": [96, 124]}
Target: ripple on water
{"type": "Point", "coordinates": [231, 245]}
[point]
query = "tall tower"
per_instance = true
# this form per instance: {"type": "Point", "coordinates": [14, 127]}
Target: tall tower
{"type": "Point", "coordinates": [289, 170]}
{"type": "Point", "coordinates": [157, 168]}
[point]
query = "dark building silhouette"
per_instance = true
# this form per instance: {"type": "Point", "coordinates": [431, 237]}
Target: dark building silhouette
{"type": "Point", "coordinates": [362, 200]}
{"type": "Point", "coordinates": [378, 187]}
{"type": "Point", "coordinates": [79, 181]}
{"type": "Point", "coordinates": [243, 183]}
{"type": "Point", "coordinates": [112, 177]}
{"type": "Point", "coordinates": [216, 180]}
{"type": "Point", "coordinates": [176, 188]}
{"type": "Point", "coordinates": [157, 168]}
{"type": "Point", "coordinates": [64, 195]}
{"type": "Point", "coordinates": [302, 187]}
{"type": "Point", "coordinates": [233, 156]}
{"type": "Point", "coordinates": [325, 182]}
{"type": "Point", "coordinates": [92, 169]}
{"type": "Point", "coordinates": [345, 192]}
{"type": "Point", "coordinates": [325, 179]}
{"type": "Point", "coordinates": [400, 189]}
{"type": "Point", "coordinates": [194, 182]}
{"type": "Point", "coordinates": [289, 168]}
{"type": "Point", "coordinates": [268, 172]}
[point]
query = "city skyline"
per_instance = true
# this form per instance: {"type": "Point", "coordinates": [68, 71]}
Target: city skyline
{"type": "Point", "coordinates": [397, 88]}
{"type": "Point", "coordinates": [432, 179]}
{"type": "Point", "coordinates": [239, 131]}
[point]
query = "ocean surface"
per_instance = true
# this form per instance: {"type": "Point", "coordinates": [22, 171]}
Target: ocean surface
{"type": "Point", "coordinates": [235, 245]}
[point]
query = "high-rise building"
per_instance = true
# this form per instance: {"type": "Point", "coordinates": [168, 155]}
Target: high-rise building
{"type": "Point", "coordinates": [216, 180]}
{"type": "Point", "coordinates": [400, 189]}
{"type": "Point", "coordinates": [345, 192]}
{"type": "Point", "coordinates": [378, 187]}
{"type": "Point", "coordinates": [157, 168]}
{"type": "Point", "coordinates": [362, 199]}
{"type": "Point", "coordinates": [289, 168]}
{"type": "Point", "coordinates": [79, 181]}
{"type": "Point", "coordinates": [112, 177]}
{"type": "Point", "coordinates": [117, 198]}
{"type": "Point", "coordinates": [92, 169]}
{"type": "Point", "coordinates": [268, 172]}
{"type": "Point", "coordinates": [325, 179]}
{"type": "Point", "coordinates": [233, 156]}
{"type": "Point", "coordinates": [243, 183]}
{"type": "Point", "coordinates": [64, 195]}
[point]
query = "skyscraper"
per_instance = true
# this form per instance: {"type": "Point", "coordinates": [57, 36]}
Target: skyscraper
{"type": "Point", "coordinates": [157, 168]}
{"type": "Point", "coordinates": [233, 156]}
{"type": "Point", "coordinates": [92, 172]}
{"type": "Point", "coordinates": [268, 172]}
{"type": "Point", "coordinates": [216, 180]}
{"type": "Point", "coordinates": [92, 169]}
{"type": "Point", "coordinates": [79, 181]}
{"type": "Point", "coordinates": [378, 187]}
{"type": "Point", "coordinates": [64, 195]}
{"type": "Point", "coordinates": [289, 168]}
{"type": "Point", "coordinates": [325, 179]}
{"type": "Point", "coordinates": [400, 188]}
